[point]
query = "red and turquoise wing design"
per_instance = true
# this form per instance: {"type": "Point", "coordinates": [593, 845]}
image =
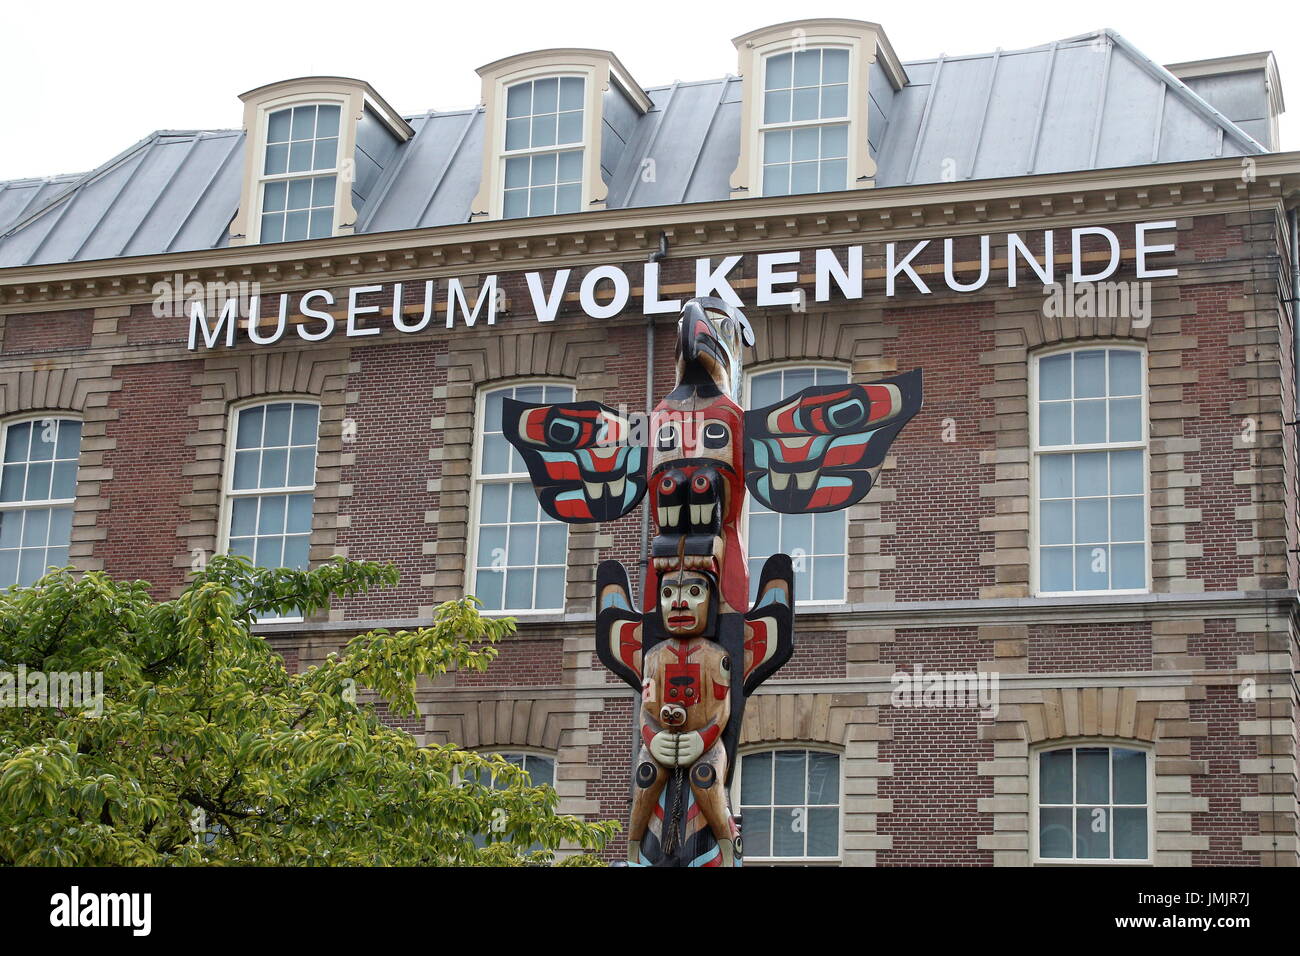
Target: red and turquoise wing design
{"type": "Point", "coordinates": [620, 642]}
{"type": "Point", "coordinates": [769, 624]}
{"type": "Point", "coordinates": [820, 449]}
{"type": "Point", "coordinates": [579, 458]}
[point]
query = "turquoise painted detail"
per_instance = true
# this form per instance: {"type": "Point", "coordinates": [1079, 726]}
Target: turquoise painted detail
{"type": "Point", "coordinates": [707, 856]}
{"type": "Point", "coordinates": [777, 595]}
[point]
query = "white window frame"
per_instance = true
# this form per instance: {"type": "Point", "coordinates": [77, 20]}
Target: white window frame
{"type": "Point", "coordinates": [228, 494]}
{"type": "Point", "coordinates": [735, 793]}
{"type": "Point", "coordinates": [764, 369]}
{"type": "Point", "coordinates": [867, 45]}
{"type": "Point", "coordinates": [603, 74]}
{"type": "Point", "coordinates": [1035, 802]}
{"type": "Point", "coordinates": [592, 120]}
{"type": "Point", "coordinates": [477, 480]}
{"type": "Point", "coordinates": [580, 147]}
{"type": "Point", "coordinates": [51, 503]}
{"type": "Point", "coordinates": [847, 120]}
{"type": "Point", "coordinates": [260, 178]}
{"type": "Point", "coordinates": [1038, 452]}
{"type": "Point", "coordinates": [506, 751]}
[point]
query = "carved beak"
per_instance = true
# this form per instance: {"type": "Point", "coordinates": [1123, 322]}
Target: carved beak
{"type": "Point", "coordinates": [702, 355]}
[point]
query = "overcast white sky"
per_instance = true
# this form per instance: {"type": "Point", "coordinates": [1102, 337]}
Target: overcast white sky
{"type": "Point", "coordinates": [87, 80]}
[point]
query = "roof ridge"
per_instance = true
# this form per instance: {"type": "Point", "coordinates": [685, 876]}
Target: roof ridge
{"type": "Point", "coordinates": [28, 180]}
{"type": "Point", "coordinates": [77, 180]}
{"type": "Point", "coordinates": [1000, 51]}
{"type": "Point", "coordinates": [1190, 96]}
{"type": "Point", "coordinates": [83, 180]}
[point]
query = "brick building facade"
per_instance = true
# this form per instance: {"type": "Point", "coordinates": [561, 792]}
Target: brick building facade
{"type": "Point", "coordinates": [1144, 650]}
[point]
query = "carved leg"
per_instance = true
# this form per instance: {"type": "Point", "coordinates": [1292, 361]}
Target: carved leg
{"type": "Point", "coordinates": [650, 779]}
{"type": "Point", "coordinates": [707, 776]}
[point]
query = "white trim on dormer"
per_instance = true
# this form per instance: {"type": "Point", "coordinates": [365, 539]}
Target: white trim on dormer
{"type": "Point", "coordinates": [866, 44]}
{"type": "Point", "coordinates": [352, 97]}
{"type": "Point", "coordinates": [599, 70]}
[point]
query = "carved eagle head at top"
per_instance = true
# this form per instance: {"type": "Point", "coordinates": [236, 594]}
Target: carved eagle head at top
{"type": "Point", "coordinates": [711, 338]}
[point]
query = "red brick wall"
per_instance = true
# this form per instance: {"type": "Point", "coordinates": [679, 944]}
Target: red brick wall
{"type": "Point", "coordinates": [934, 787]}
{"type": "Point", "coordinates": [391, 471]}
{"type": "Point", "coordinates": [47, 332]}
{"type": "Point", "coordinates": [149, 482]}
{"type": "Point", "coordinates": [1218, 496]}
{"type": "Point", "coordinates": [1089, 647]}
{"type": "Point", "coordinates": [936, 479]}
{"type": "Point", "coordinates": [520, 663]}
{"type": "Point", "coordinates": [142, 327]}
{"type": "Point", "coordinates": [613, 757]}
{"type": "Point", "coordinates": [1221, 644]}
{"type": "Point", "coordinates": [1223, 785]}
{"type": "Point", "coordinates": [817, 654]}
{"type": "Point", "coordinates": [934, 753]}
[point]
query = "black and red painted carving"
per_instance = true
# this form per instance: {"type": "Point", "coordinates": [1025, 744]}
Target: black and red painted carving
{"type": "Point", "coordinates": [697, 647]}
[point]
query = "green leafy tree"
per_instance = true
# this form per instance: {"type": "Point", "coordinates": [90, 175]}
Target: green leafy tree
{"type": "Point", "coordinates": [209, 751]}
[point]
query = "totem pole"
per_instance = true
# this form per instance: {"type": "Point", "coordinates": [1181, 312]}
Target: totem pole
{"type": "Point", "coordinates": [697, 649]}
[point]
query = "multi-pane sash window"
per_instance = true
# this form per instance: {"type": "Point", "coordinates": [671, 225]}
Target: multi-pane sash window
{"type": "Point", "coordinates": [541, 115]}
{"type": "Point", "coordinates": [805, 133]}
{"type": "Point", "coordinates": [1090, 456]}
{"type": "Point", "coordinates": [541, 770]}
{"type": "Point", "coordinates": [37, 489]}
{"type": "Point", "coordinates": [790, 804]}
{"type": "Point", "coordinates": [1093, 804]}
{"type": "Point", "coordinates": [816, 542]}
{"type": "Point", "coordinates": [272, 483]}
{"type": "Point", "coordinates": [520, 551]}
{"type": "Point", "coordinates": [299, 173]}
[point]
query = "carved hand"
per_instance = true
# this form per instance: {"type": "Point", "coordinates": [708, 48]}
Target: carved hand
{"type": "Point", "coordinates": [676, 750]}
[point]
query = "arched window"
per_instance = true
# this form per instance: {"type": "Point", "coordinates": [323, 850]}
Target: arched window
{"type": "Point", "coordinates": [1089, 429]}
{"type": "Point", "coordinates": [1092, 803]}
{"type": "Point", "coordinates": [540, 767]}
{"type": "Point", "coordinates": [789, 805]}
{"type": "Point", "coordinates": [817, 543]}
{"type": "Point", "coordinates": [271, 483]}
{"type": "Point", "coordinates": [541, 771]}
{"type": "Point", "coordinates": [520, 552]}
{"type": "Point", "coordinates": [37, 490]}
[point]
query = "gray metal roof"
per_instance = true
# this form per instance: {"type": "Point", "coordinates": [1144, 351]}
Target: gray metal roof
{"type": "Point", "coordinates": [1088, 102]}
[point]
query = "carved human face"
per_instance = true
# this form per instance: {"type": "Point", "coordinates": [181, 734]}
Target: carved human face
{"type": "Point", "coordinates": [684, 603]}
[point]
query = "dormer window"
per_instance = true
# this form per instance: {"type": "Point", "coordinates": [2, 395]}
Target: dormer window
{"type": "Point", "coordinates": [300, 139]}
{"type": "Point", "coordinates": [541, 115]}
{"type": "Point", "coordinates": [805, 121]}
{"type": "Point", "coordinates": [557, 122]}
{"type": "Point", "coordinates": [314, 149]}
{"type": "Point", "coordinates": [811, 88]}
